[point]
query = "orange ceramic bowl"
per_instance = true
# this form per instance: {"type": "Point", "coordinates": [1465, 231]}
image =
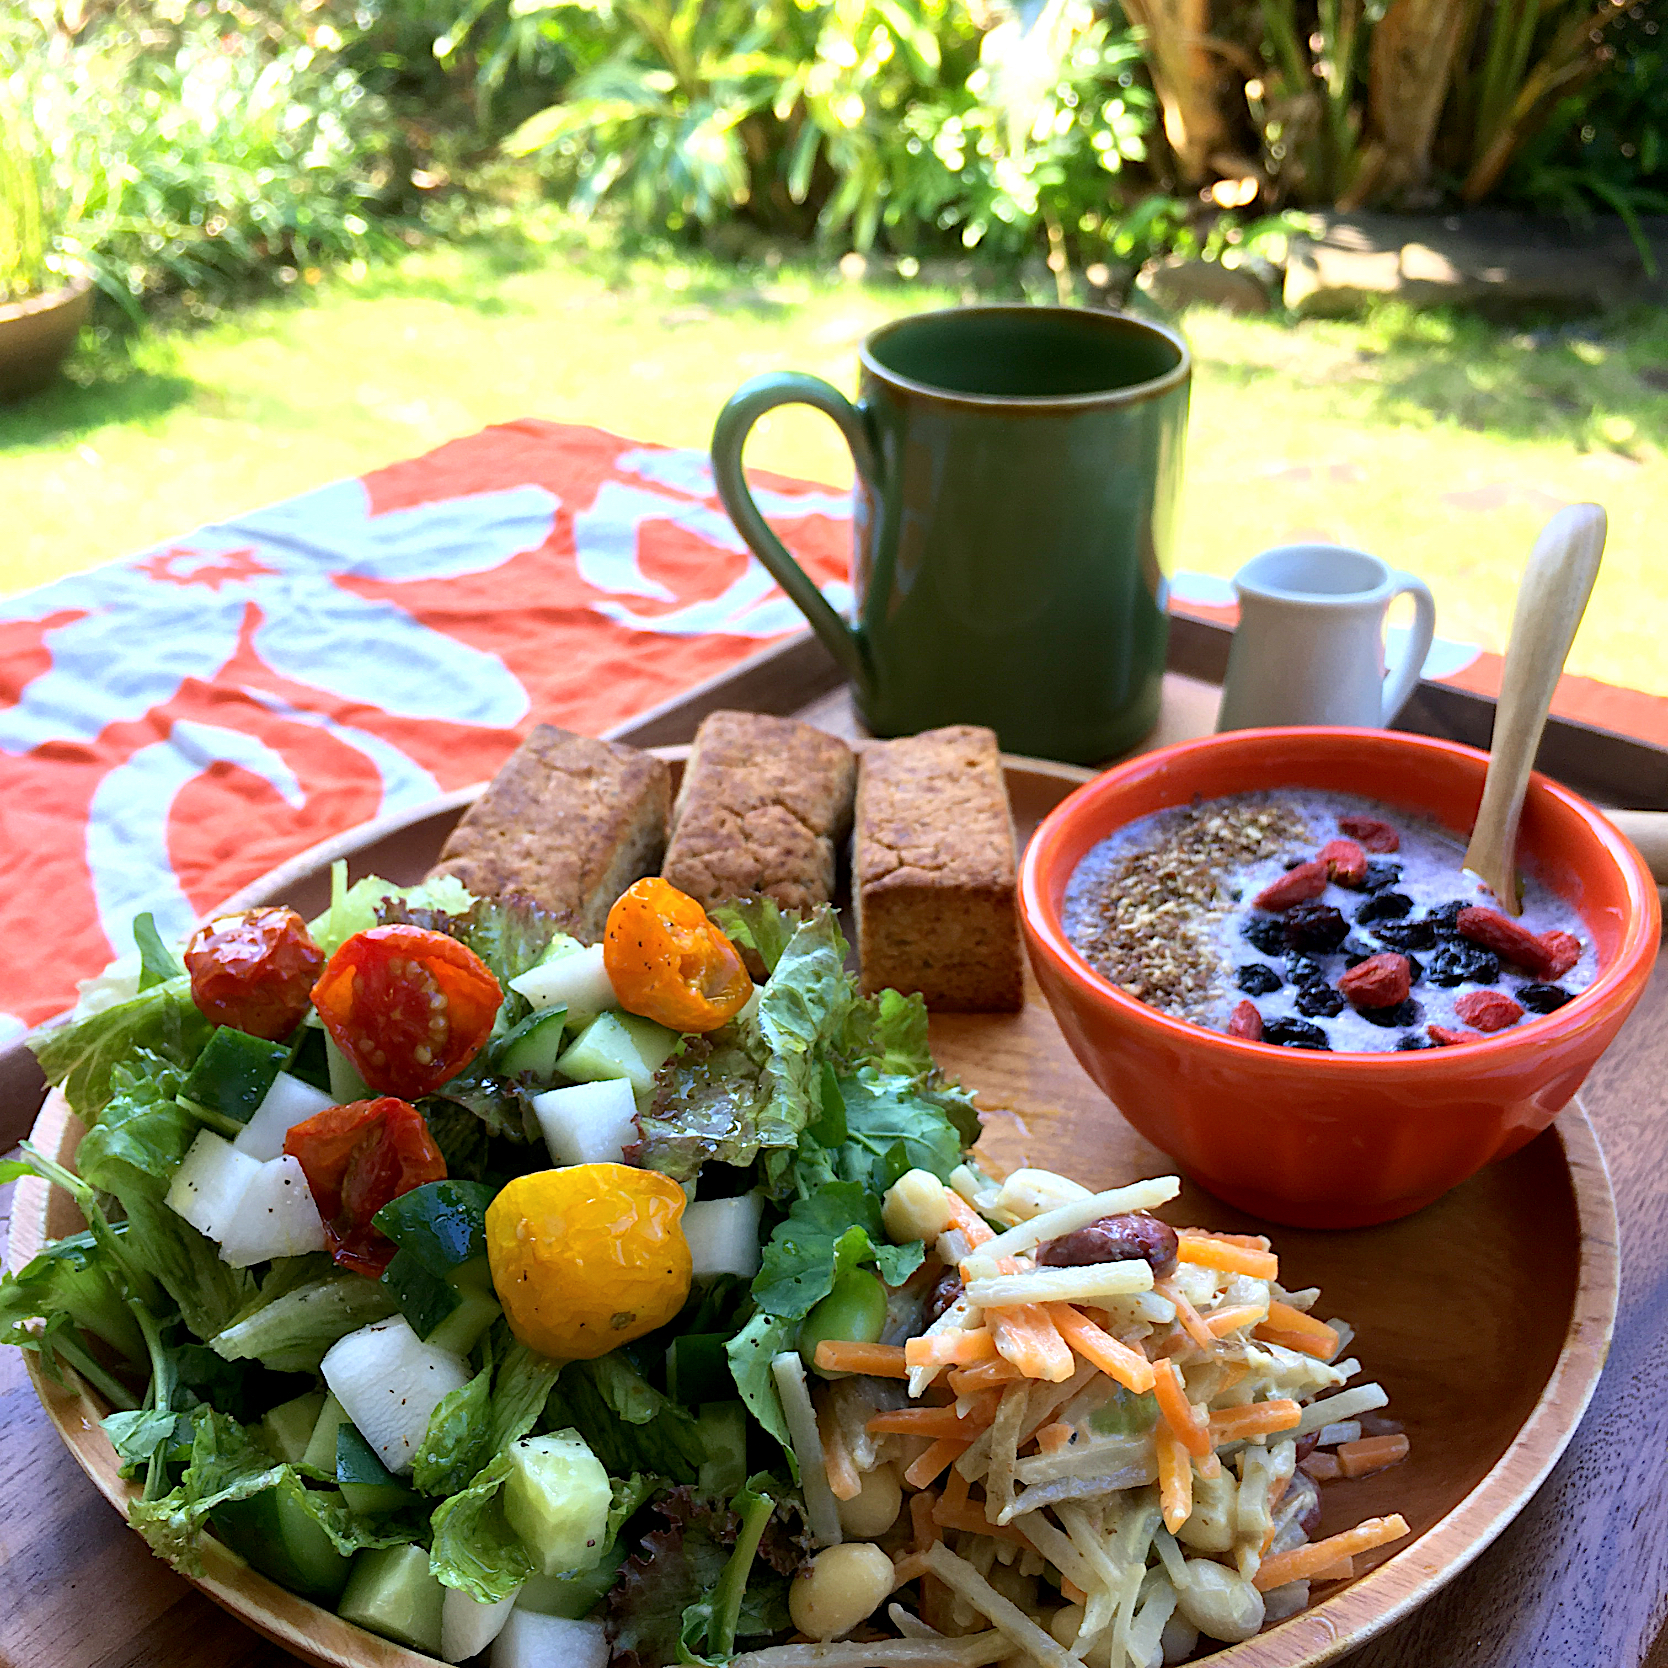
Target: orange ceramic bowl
{"type": "Point", "coordinates": [1339, 1140]}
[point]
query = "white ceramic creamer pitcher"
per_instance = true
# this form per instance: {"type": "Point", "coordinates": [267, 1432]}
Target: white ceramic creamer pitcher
{"type": "Point", "coordinates": [1310, 644]}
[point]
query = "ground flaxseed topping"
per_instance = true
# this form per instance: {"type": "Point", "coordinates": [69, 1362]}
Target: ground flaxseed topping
{"type": "Point", "coordinates": [1146, 921]}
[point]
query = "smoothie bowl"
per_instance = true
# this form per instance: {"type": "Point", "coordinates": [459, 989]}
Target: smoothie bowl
{"type": "Point", "coordinates": [1333, 1026]}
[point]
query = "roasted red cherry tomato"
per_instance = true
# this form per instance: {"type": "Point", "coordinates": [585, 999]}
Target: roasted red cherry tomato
{"type": "Point", "coordinates": [254, 971]}
{"type": "Point", "coordinates": [356, 1158]}
{"type": "Point", "coordinates": [669, 963]}
{"type": "Point", "coordinates": [409, 1007]}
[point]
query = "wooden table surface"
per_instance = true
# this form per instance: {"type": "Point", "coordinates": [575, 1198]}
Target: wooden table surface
{"type": "Point", "coordinates": [1580, 1580]}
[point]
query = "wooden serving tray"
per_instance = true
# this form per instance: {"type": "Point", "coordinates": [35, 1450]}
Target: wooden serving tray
{"type": "Point", "coordinates": [1487, 1316]}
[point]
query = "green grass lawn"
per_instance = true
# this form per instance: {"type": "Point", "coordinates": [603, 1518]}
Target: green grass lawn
{"type": "Point", "coordinates": [1440, 444]}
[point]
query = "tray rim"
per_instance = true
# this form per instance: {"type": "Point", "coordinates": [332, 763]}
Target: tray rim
{"type": "Point", "coordinates": [1340, 1623]}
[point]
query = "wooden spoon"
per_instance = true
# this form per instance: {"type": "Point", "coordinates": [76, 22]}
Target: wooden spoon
{"type": "Point", "coordinates": [1550, 602]}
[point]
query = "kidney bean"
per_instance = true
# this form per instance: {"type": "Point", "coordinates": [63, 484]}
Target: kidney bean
{"type": "Point", "coordinates": [1114, 1239]}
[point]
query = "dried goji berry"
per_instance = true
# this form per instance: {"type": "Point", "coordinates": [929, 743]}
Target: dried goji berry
{"type": "Point", "coordinates": [1373, 832]}
{"type": "Point", "coordinates": [1246, 1022]}
{"type": "Point", "coordinates": [1562, 950]}
{"type": "Point", "coordinates": [1346, 861]}
{"type": "Point", "coordinates": [1295, 886]}
{"type": "Point", "coordinates": [1488, 1010]}
{"type": "Point", "coordinates": [1443, 1037]}
{"type": "Point", "coordinates": [1505, 937]}
{"type": "Point", "coordinates": [1380, 981]}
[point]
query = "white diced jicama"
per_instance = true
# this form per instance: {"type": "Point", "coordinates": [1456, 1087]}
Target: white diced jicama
{"type": "Point", "coordinates": [390, 1382]}
{"type": "Point", "coordinates": [287, 1103]}
{"type": "Point", "coordinates": [577, 981]}
{"type": "Point", "coordinates": [530, 1640]}
{"type": "Point", "coordinates": [822, 1512]}
{"type": "Point", "coordinates": [467, 1626]}
{"type": "Point", "coordinates": [589, 1123]}
{"type": "Point", "coordinates": [210, 1183]}
{"type": "Point", "coordinates": [275, 1218]}
{"type": "Point", "coordinates": [1068, 1218]}
{"type": "Point", "coordinates": [1082, 1284]}
{"type": "Point", "coordinates": [723, 1235]}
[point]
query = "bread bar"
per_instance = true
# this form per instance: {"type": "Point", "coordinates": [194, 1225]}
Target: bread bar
{"type": "Point", "coordinates": [933, 872]}
{"type": "Point", "coordinates": [569, 822]}
{"type": "Point", "coordinates": [764, 805]}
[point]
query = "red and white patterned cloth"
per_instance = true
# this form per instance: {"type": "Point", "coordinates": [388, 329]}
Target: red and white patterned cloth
{"type": "Point", "coordinates": [175, 725]}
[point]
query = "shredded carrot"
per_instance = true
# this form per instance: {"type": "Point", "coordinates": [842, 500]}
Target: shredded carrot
{"type": "Point", "coordinates": [1235, 1424]}
{"type": "Point", "coordinates": [1191, 1323]}
{"type": "Point", "coordinates": [1296, 1330]}
{"type": "Point", "coordinates": [956, 1490]}
{"type": "Point", "coordinates": [1251, 1242]}
{"type": "Point", "coordinates": [970, 1518]}
{"type": "Point", "coordinates": [1069, 1589]}
{"type": "Point", "coordinates": [920, 1519]}
{"type": "Point", "coordinates": [911, 1567]}
{"type": "Point", "coordinates": [1175, 1480]}
{"type": "Point", "coordinates": [927, 1421]}
{"type": "Point", "coordinates": [1178, 1412]}
{"type": "Point", "coordinates": [843, 1481]}
{"type": "Point", "coordinates": [1096, 1345]}
{"type": "Point", "coordinates": [988, 1375]}
{"type": "Point", "coordinates": [1232, 1319]}
{"type": "Point", "coordinates": [1052, 1438]}
{"type": "Point", "coordinates": [963, 1216]}
{"type": "Point", "coordinates": [1323, 1467]}
{"type": "Point", "coordinates": [1343, 1570]}
{"type": "Point", "coordinates": [1232, 1372]}
{"type": "Point", "coordinates": [1303, 1561]}
{"type": "Point", "coordinates": [1371, 1453]}
{"type": "Point", "coordinates": [950, 1349]}
{"type": "Point", "coordinates": [877, 1360]}
{"type": "Point", "coordinates": [940, 1454]}
{"type": "Point", "coordinates": [1210, 1252]}
{"type": "Point", "coordinates": [1026, 1336]}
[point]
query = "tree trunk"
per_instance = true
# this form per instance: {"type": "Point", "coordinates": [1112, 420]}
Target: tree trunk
{"type": "Point", "coordinates": [1185, 75]}
{"type": "Point", "coordinates": [1410, 67]}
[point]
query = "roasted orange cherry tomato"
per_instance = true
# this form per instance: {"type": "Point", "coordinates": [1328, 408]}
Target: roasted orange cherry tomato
{"type": "Point", "coordinates": [356, 1158]}
{"type": "Point", "coordinates": [254, 971]}
{"type": "Point", "coordinates": [587, 1258]}
{"type": "Point", "coordinates": [409, 1007]}
{"type": "Point", "coordinates": [669, 963]}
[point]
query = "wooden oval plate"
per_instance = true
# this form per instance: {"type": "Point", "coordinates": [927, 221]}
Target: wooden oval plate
{"type": "Point", "coordinates": [1487, 1316]}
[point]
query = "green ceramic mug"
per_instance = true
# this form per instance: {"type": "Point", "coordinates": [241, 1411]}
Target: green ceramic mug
{"type": "Point", "coordinates": [1017, 472]}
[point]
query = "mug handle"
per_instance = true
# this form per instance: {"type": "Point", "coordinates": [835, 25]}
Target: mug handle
{"type": "Point", "coordinates": [1400, 679]}
{"type": "Point", "coordinates": [741, 411]}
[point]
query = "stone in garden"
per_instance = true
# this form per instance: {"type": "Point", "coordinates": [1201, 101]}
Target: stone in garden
{"type": "Point", "coordinates": [1176, 282]}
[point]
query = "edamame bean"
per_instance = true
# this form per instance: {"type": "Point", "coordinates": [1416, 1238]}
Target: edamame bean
{"type": "Point", "coordinates": [854, 1312]}
{"type": "Point", "coordinates": [874, 1509]}
{"type": "Point", "coordinates": [844, 1585]}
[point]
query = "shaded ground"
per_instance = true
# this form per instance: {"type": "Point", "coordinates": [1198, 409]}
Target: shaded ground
{"type": "Point", "coordinates": [1439, 444]}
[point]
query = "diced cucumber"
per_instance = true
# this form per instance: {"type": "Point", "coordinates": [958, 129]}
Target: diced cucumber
{"type": "Point", "coordinates": [698, 1368]}
{"type": "Point", "coordinates": [467, 1626]}
{"type": "Point", "coordinates": [588, 1123]}
{"type": "Point", "coordinates": [287, 1103]}
{"type": "Point", "coordinates": [442, 1222]}
{"type": "Point", "coordinates": [449, 1311]}
{"type": "Point", "coordinates": [277, 1534]}
{"type": "Point", "coordinates": [723, 1235]}
{"type": "Point", "coordinates": [275, 1218]}
{"type": "Point", "coordinates": [346, 1085]}
{"type": "Point", "coordinates": [363, 1479]}
{"type": "Point", "coordinates": [234, 1072]}
{"type": "Point", "coordinates": [575, 980]}
{"type": "Point", "coordinates": [619, 1045]}
{"type": "Point", "coordinates": [461, 1330]}
{"type": "Point", "coordinates": [209, 1185]}
{"type": "Point", "coordinates": [392, 1592]}
{"type": "Point", "coordinates": [572, 1596]}
{"type": "Point", "coordinates": [530, 1640]}
{"type": "Point", "coordinates": [533, 1046]}
{"type": "Point", "coordinates": [321, 1445]}
{"type": "Point", "coordinates": [723, 1428]}
{"type": "Point", "coordinates": [390, 1382]}
{"type": "Point", "coordinates": [556, 1498]}
{"type": "Point", "coordinates": [292, 1333]}
{"type": "Point", "coordinates": [288, 1428]}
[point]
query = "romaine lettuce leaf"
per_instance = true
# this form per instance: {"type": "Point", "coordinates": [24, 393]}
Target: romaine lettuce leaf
{"type": "Point", "coordinates": [474, 1547]}
{"type": "Point", "coordinates": [291, 1329]}
{"type": "Point", "coordinates": [629, 1425]}
{"type": "Point", "coordinates": [80, 1057]}
{"type": "Point", "coordinates": [458, 1442]}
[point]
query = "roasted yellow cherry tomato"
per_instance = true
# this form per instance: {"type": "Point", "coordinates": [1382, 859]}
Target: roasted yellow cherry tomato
{"type": "Point", "coordinates": [669, 963]}
{"type": "Point", "coordinates": [587, 1258]}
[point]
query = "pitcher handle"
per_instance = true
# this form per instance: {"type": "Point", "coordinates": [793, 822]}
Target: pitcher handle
{"type": "Point", "coordinates": [743, 409]}
{"type": "Point", "coordinates": [1400, 679]}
